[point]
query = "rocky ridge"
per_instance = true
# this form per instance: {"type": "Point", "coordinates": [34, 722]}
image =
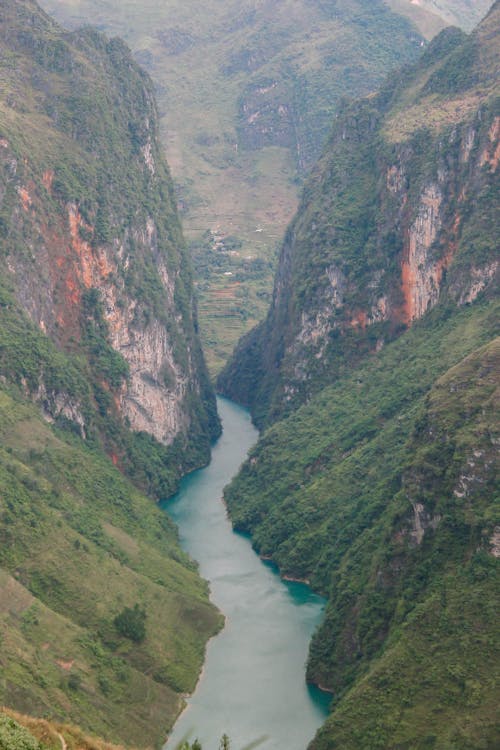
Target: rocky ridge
{"type": "Point", "coordinates": [255, 86]}
{"type": "Point", "coordinates": [94, 253]}
{"type": "Point", "coordinates": [375, 377]}
{"type": "Point", "coordinates": [386, 225]}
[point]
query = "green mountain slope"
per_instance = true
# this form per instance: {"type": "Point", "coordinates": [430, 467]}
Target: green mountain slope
{"type": "Point", "coordinates": [21, 732]}
{"type": "Point", "coordinates": [352, 494]}
{"type": "Point", "coordinates": [78, 544]}
{"type": "Point", "coordinates": [400, 211]}
{"type": "Point", "coordinates": [103, 619]}
{"type": "Point", "coordinates": [378, 480]}
{"type": "Point", "coordinates": [93, 250]}
{"type": "Point", "coordinates": [433, 596]}
{"type": "Point", "coordinates": [247, 92]}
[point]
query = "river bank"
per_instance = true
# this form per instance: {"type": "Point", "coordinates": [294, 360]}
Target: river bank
{"type": "Point", "coordinates": [253, 683]}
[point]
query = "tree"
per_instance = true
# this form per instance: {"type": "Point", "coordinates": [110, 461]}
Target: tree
{"type": "Point", "coordinates": [131, 623]}
{"type": "Point", "coordinates": [185, 745]}
{"type": "Point", "coordinates": [225, 744]}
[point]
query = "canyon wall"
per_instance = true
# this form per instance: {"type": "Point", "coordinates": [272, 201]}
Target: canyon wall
{"type": "Point", "coordinates": [375, 379]}
{"type": "Point", "coordinates": [94, 253]}
{"type": "Point", "coordinates": [394, 218]}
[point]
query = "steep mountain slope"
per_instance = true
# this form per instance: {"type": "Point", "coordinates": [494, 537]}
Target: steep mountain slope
{"type": "Point", "coordinates": [378, 363]}
{"type": "Point", "coordinates": [93, 249]}
{"type": "Point", "coordinates": [103, 619]}
{"type": "Point", "coordinates": [431, 588]}
{"type": "Point", "coordinates": [400, 212]}
{"type": "Point", "coordinates": [20, 732]}
{"type": "Point", "coordinates": [78, 544]}
{"type": "Point", "coordinates": [247, 92]}
{"type": "Point", "coordinates": [384, 505]}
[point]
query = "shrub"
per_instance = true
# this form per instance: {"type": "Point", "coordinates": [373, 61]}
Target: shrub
{"type": "Point", "coordinates": [131, 623]}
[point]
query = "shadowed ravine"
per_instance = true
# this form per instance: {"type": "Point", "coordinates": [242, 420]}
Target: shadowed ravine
{"type": "Point", "coordinates": [253, 683]}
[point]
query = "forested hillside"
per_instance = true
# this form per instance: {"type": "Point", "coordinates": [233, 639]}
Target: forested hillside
{"type": "Point", "coordinates": [95, 261]}
{"type": "Point", "coordinates": [399, 214]}
{"type": "Point", "coordinates": [247, 92]}
{"type": "Point", "coordinates": [376, 374]}
{"type": "Point", "coordinates": [103, 619]}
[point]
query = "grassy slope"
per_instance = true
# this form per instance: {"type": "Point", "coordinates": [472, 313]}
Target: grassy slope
{"type": "Point", "coordinates": [328, 494]}
{"type": "Point", "coordinates": [434, 681]}
{"type": "Point", "coordinates": [21, 732]}
{"type": "Point", "coordinates": [206, 59]}
{"type": "Point", "coordinates": [314, 469]}
{"type": "Point", "coordinates": [382, 489]}
{"type": "Point", "coordinates": [78, 544]}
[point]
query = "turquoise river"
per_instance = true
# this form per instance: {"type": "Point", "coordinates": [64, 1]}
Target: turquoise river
{"type": "Point", "coordinates": [253, 684]}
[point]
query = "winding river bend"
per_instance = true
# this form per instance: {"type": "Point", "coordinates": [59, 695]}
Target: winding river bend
{"type": "Point", "coordinates": [253, 685]}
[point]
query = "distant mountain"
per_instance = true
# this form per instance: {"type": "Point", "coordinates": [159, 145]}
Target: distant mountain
{"type": "Point", "coordinates": [399, 214]}
{"type": "Point", "coordinates": [376, 375]}
{"type": "Point", "coordinates": [103, 619]}
{"type": "Point", "coordinates": [463, 13]}
{"type": "Point", "coordinates": [247, 92]}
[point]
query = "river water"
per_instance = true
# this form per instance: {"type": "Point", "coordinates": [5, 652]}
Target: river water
{"type": "Point", "coordinates": [253, 685]}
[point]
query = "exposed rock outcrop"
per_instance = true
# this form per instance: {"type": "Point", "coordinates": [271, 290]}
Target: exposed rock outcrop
{"type": "Point", "coordinates": [93, 248]}
{"type": "Point", "coordinates": [390, 224]}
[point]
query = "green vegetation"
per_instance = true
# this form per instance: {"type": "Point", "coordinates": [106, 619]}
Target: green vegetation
{"type": "Point", "coordinates": [22, 732]}
{"type": "Point", "coordinates": [106, 363]}
{"type": "Point", "coordinates": [103, 618]}
{"type": "Point", "coordinates": [92, 247]}
{"type": "Point", "coordinates": [339, 290]}
{"type": "Point", "coordinates": [26, 355]}
{"type": "Point", "coordinates": [131, 623]}
{"type": "Point", "coordinates": [80, 550]}
{"type": "Point", "coordinates": [247, 96]}
{"type": "Point", "coordinates": [376, 479]}
{"type": "Point", "coordinates": [224, 744]}
{"type": "Point", "coordinates": [329, 492]}
{"type": "Point", "coordinates": [15, 737]}
{"type": "Point", "coordinates": [373, 411]}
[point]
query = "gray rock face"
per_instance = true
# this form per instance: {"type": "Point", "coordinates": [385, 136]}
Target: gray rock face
{"type": "Point", "coordinates": [392, 221]}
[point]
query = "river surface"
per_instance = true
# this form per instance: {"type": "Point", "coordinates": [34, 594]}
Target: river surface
{"type": "Point", "coordinates": [253, 684]}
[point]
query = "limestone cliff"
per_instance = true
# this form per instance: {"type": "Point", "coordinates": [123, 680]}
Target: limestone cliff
{"type": "Point", "coordinates": [398, 214]}
{"type": "Point", "coordinates": [92, 245]}
{"type": "Point", "coordinates": [103, 393]}
{"type": "Point", "coordinates": [378, 368]}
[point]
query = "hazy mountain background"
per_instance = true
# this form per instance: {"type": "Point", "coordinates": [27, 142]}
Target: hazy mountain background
{"type": "Point", "coordinates": [247, 92]}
